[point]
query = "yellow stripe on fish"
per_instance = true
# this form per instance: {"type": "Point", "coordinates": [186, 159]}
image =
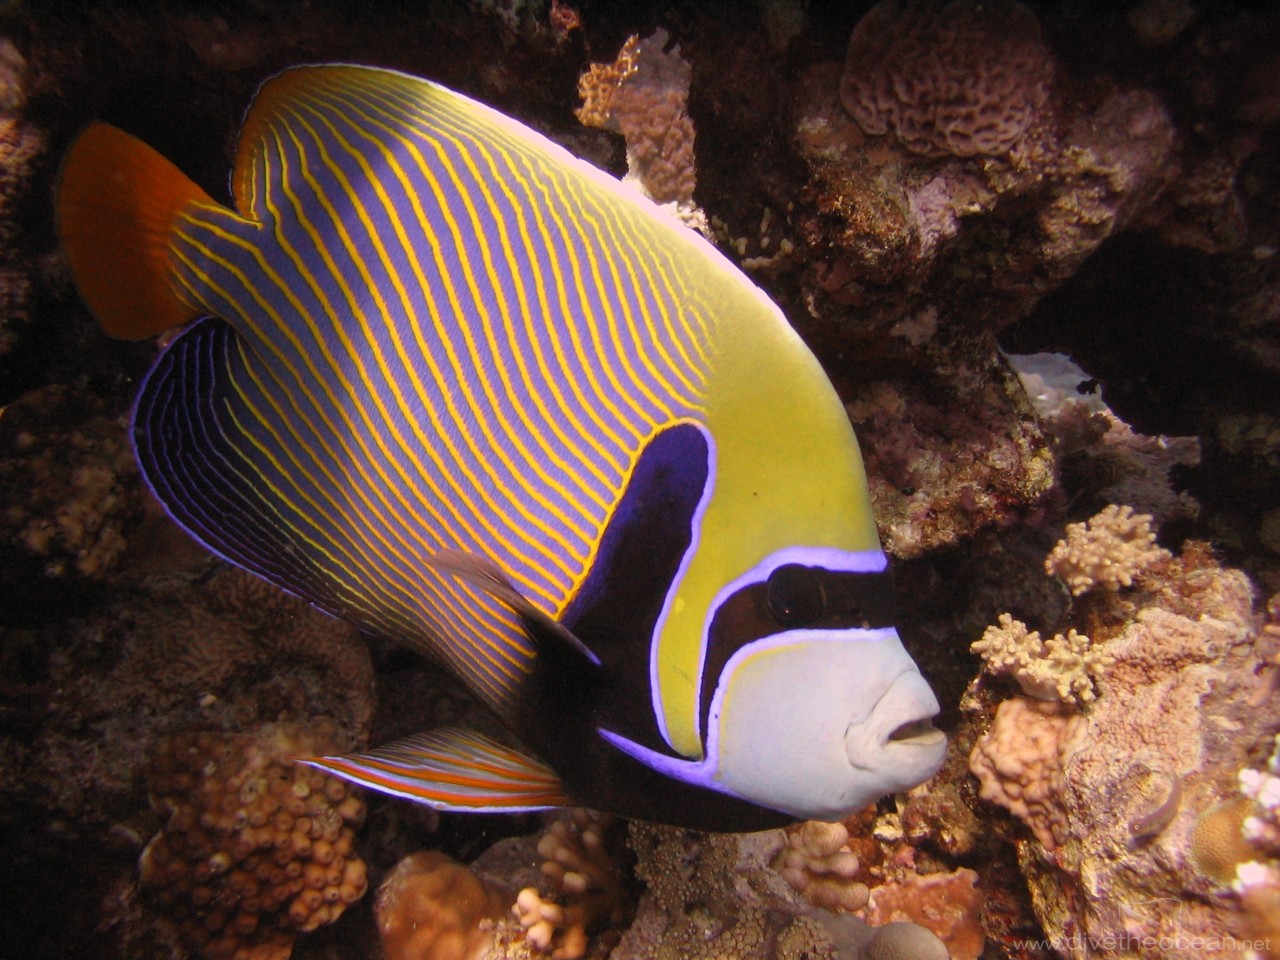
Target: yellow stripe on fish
{"type": "Point", "coordinates": [450, 383]}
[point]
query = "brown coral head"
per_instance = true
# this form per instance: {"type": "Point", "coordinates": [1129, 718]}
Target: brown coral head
{"type": "Point", "coordinates": [1218, 845]}
{"type": "Point", "coordinates": [431, 907]}
{"type": "Point", "coordinates": [257, 848]}
{"type": "Point", "coordinates": [963, 78]}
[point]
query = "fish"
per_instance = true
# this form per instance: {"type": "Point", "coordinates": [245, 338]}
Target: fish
{"type": "Point", "coordinates": [443, 380]}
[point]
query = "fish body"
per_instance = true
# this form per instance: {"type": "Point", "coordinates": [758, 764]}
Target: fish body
{"type": "Point", "coordinates": [449, 383]}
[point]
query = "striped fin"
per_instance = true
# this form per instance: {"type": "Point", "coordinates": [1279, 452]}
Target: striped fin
{"type": "Point", "coordinates": [452, 769]}
{"type": "Point", "coordinates": [117, 206]}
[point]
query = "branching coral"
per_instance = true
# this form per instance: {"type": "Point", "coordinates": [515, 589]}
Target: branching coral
{"type": "Point", "coordinates": [257, 848]}
{"type": "Point", "coordinates": [1019, 763]}
{"type": "Point", "coordinates": [583, 873]}
{"type": "Point", "coordinates": [961, 78]}
{"type": "Point", "coordinates": [820, 866]}
{"type": "Point", "coordinates": [643, 95]}
{"type": "Point", "coordinates": [1258, 881]}
{"type": "Point", "coordinates": [1062, 668]}
{"type": "Point", "coordinates": [1107, 551]}
{"type": "Point", "coordinates": [431, 907]}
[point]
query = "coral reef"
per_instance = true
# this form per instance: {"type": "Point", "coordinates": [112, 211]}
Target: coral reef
{"type": "Point", "coordinates": [255, 848]}
{"type": "Point", "coordinates": [942, 468]}
{"type": "Point", "coordinates": [21, 147]}
{"type": "Point", "coordinates": [961, 78]}
{"type": "Point", "coordinates": [1125, 794]}
{"type": "Point", "coordinates": [1108, 551]}
{"type": "Point", "coordinates": [1119, 206]}
{"type": "Point", "coordinates": [710, 896]}
{"type": "Point", "coordinates": [69, 486]}
{"type": "Point", "coordinates": [1257, 875]}
{"type": "Point", "coordinates": [430, 907]}
{"type": "Point", "coordinates": [947, 905]}
{"type": "Point", "coordinates": [643, 95]}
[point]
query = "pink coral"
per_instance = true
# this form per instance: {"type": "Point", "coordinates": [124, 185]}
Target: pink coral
{"type": "Point", "coordinates": [1108, 551]}
{"type": "Point", "coordinates": [948, 904]}
{"type": "Point", "coordinates": [644, 95]}
{"type": "Point", "coordinates": [1019, 763]}
{"type": "Point", "coordinates": [960, 78]}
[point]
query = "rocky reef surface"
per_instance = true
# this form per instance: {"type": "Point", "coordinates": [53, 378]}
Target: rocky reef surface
{"type": "Point", "coordinates": [939, 195]}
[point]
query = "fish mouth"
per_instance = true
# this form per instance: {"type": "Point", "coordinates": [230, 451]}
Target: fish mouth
{"type": "Point", "coordinates": [920, 732]}
{"type": "Point", "coordinates": [904, 747]}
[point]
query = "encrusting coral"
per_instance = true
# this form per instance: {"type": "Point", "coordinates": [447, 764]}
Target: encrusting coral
{"type": "Point", "coordinates": [644, 95]}
{"type": "Point", "coordinates": [948, 906]}
{"type": "Point", "coordinates": [256, 847]}
{"type": "Point", "coordinates": [959, 78]}
{"type": "Point", "coordinates": [1107, 551]}
{"type": "Point", "coordinates": [1062, 668]}
{"type": "Point", "coordinates": [430, 907]}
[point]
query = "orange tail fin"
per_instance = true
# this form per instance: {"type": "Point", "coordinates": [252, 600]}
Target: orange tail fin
{"type": "Point", "coordinates": [118, 200]}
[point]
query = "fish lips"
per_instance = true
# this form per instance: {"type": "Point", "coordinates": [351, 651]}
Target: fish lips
{"type": "Point", "coordinates": [897, 740]}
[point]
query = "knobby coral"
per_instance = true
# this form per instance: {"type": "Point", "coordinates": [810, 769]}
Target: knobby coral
{"type": "Point", "coordinates": [1019, 763]}
{"type": "Point", "coordinates": [644, 95]}
{"type": "Point", "coordinates": [1062, 668]}
{"type": "Point", "coordinates": [961, 78]}
{"type": "Point", "coordinates": [584, 875]}
{"type": "Point", "coordinates": [431, 907]}
{"type": "Point", "coordinates": [256, 848]}
{"type": "Point", "coordinates": [1109, 551]}
{"type": "Point", "coordinates": [819, 865]}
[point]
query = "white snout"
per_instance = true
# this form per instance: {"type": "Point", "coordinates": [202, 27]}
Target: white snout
{"type": "Point", "coordinates": [820, 723]}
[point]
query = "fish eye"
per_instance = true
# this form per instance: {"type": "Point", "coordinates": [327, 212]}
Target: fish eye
{"type": "Point", "coordinates": [795, 595]}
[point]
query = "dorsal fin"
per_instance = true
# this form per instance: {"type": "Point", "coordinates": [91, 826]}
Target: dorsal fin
{"type": "Point", "coordinates": [264, 110]}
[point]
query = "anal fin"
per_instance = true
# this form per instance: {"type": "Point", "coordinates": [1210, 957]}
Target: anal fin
{"type": "Point", "coordinates": [452, 769]}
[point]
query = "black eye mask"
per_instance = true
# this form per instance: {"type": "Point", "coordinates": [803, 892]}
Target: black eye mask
{"type": "Point", "coordinates": [794, 596]}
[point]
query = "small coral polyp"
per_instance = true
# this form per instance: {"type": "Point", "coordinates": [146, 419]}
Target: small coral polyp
{"type": "Point", "coordinates": [257, 848]}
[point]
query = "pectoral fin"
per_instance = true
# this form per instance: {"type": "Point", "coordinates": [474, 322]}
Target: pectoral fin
{"type": "Point", "coordinates": [452, 769]}
{"type": "Point", "coordinates": [488, 576]}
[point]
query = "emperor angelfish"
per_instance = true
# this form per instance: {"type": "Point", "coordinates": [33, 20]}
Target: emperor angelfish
{"type": "Point", "coordinates": [451, 384]}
